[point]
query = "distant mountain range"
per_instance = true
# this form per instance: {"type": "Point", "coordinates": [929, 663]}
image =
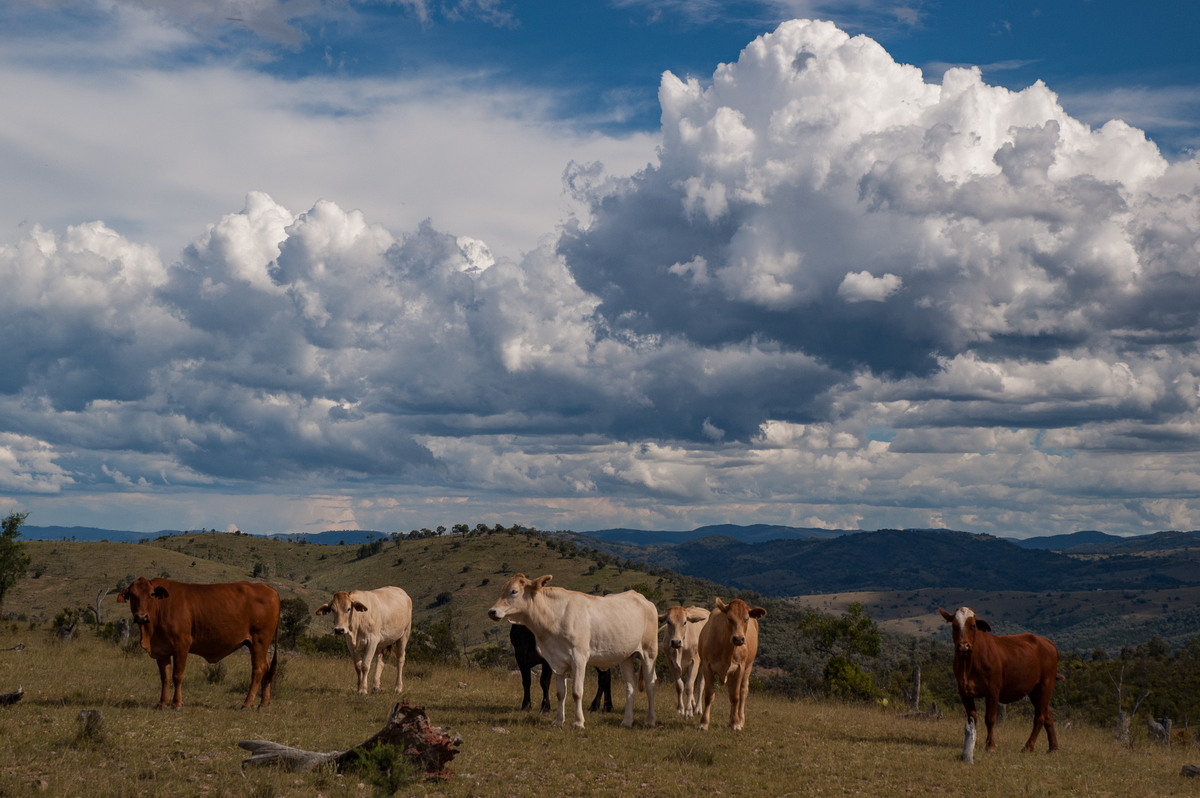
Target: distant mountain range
{"type": "Point", "coordinates": [355, 537]}
{"type": "Point", "coordinates": [914, 559]}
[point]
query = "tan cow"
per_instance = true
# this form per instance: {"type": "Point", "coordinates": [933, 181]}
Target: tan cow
{"type": "Point", "coordinates": [682, 642]}
{"type": "Point", "coordinates": [574, 630]}
{"type": "Point", "coordinates": [181, 618]}
{"type": "Point", "coordinates": [728, 646]}
{"type": "Point", "coordinates": [373, 621]}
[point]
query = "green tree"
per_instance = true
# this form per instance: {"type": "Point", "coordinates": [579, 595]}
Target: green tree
{"type": "Point", "coordinates": [294, 617]}
{"type": "Point", "coordinates": [13, 559]}
{"type": "Point", "coordinates": [845, 641]}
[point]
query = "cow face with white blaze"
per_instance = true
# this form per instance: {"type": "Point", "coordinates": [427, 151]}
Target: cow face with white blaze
{"type": "Point", "coordinates": [343, 609]}
{"type": "Point", "coordinates": [964, 625]}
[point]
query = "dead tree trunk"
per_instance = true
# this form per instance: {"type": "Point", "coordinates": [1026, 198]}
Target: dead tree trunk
{"type": "Point", "coordinates": [915, 697]}
{"type": "Point", "coordinates": [408, 728]}
{"type": "Point", "coordinates": [968, 752]}
{"type": "Point", "coordinates": [1160, 730]}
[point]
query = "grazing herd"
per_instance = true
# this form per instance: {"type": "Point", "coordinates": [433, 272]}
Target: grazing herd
{"type": "Point", "coordinates": [564, 632]}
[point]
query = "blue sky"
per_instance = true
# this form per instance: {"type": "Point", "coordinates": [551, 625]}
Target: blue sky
{"type": "Point", "coordinates": [314, 265]}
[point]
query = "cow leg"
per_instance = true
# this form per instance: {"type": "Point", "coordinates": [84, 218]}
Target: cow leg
{"type": "Point", "coordinates": [629, 677]}
{"type": "Point", "coordinates": [689, 690]}
{"type": "Point", "coordinates": [560, 687]}
{"type": "Point", "coordinates": [362, 665]}
{"type": "Point", "coordinates": [380, 656]}
{"type": "Point", "coordinates": [1042, 716]}
{"type": "Point", "coordinates": [165, 695]}
{"type": "Point", "coordinates": [177, 669]}
{"type": "Point", "coordinates": [526, 683]}
{"type": "Point", "coordinates": [743, 696]}
{"type": "Point", "coordinates": [709, 690]}
{"type": "Point", "coordinates": [258, 669]}
{"type": "Point", "coordinates": [544, 677]}
{"type": "Point", "coordinates": [578, 672]}
{"type": "Point", "coordinates": [991, 705]}
{"type": "Point", "coordinates": [648, 678]}
{"type": "Point", "coordinates": [401, 648]}
{"type": "Point", "coordinates": [603, 698]}
{"type": "Point", "coordinates": [675, 660]}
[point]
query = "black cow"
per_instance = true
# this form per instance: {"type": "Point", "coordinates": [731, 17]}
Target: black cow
{"type": "Point", "coordinates": [525, 650]}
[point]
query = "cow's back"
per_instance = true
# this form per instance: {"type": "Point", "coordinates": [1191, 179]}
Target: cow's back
{"type": "Point", "coordinates": [217, 618]}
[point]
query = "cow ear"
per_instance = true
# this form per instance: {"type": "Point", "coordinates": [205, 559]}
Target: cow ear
{"type": "Point", "coordinates": [358, 606]}
{"type": "Point", "coordinates": [541, 581]}
{"type": "Point", "coordinates": [949, 618]}
{"type": "Point", "coordinates": [721, 605]}
{"type": "Point", "coordinates": [757, 612]}
{"type": "Point", "coordinates": [696, 615]}
{"type": "Point", "coordinates": [160, 592]}
{"type": "Point", "coordinates": [123, 596]}
{"type": "Point", "coordinates": [662, 617]}
{"type": "Point", "coordinates": [324, 609]}
{"type": "Point", "coordinates": [983, 625]}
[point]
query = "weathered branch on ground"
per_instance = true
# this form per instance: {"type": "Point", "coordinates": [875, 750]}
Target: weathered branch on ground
{"type": "Point", "coordinates": [1191, 771]}
{"type": "Point", "coordinates": [408, 729]}
{"type": "Point", "coordinates": [7, 699]}
{"type": "Point", "coordinates": [17, 647]}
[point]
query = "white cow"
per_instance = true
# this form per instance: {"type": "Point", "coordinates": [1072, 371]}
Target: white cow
{"type": "Point", "coordinates": [682, 642]}
{"type": "Point", "coordinates": [574, 630]}
{"type": "Point", "coordinates": [373, 621]}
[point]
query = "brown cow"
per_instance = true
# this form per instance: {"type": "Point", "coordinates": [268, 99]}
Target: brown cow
{"type": "Point", "coordinates": [1002, 669]}
{"type": "Point", "coordinates": [178, 618]}
{"type": "Point", "coordinates": [728, 646]}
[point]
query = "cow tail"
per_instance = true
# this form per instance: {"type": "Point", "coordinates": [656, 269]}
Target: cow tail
{"type": "Point", "coordinates": [270, 677]}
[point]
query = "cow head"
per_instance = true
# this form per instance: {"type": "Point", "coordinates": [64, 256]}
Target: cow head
{"type": "Point", "coordinates": [343, 609]}
{"type": "Point", "coordinates": [142, 598]}
{"type": "Point", "coordinates": [964, 624]}
{"type": "Point", "coordinates": [739, 614]}
{"type": "Point", "coordinates": [676, 620]}
{"type": "Point", "coordinates": [516, 596]}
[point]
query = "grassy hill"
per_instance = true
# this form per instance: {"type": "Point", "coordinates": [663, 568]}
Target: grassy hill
{"type": "Point", "coordinates": [459, 575]}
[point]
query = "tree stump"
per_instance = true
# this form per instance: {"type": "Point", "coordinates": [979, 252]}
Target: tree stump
{"type": "Point", "coordinates": [429, 747]}
{"type": "Point", "coordinates": [1160, 730]}
{"type": "Point", "coordinates": [968, 752]}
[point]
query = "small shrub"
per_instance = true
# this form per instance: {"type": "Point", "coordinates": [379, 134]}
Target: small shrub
{"type": "Point", "coordinates": [387, 768]}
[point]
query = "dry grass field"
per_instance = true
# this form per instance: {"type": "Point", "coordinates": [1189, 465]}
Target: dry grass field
{"type": "Point", "coordinates": [789, 748]}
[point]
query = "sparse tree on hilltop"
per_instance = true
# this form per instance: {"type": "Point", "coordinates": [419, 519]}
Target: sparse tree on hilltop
{"type": "Point", "coordinates": [13, 559]}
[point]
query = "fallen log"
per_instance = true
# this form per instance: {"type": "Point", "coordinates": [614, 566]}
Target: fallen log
{"type": "Point", "coordinates": [11, 698]}
{"type": "Point", "coordinates": [408, 729]}
{"type": "Point", "coordinates": [1191, 771]}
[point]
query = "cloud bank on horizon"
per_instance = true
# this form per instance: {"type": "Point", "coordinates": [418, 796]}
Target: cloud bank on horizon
{"type": "Point", "coordinates": [841, 296]}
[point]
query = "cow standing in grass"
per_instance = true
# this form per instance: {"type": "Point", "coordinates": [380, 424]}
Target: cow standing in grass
{"type": "Point", "coordinates": [181, 618]}
{"type": "Point", "coordinates": [681, 639]}
{"type": "Point", "coordinates": [728, 646]}
{"type": "Point", "coordinates": [373, 621]}
{"type": "Point", "coordinates": [1001, 669]}
{"type": "Point", "coordinates": [574, 630]}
